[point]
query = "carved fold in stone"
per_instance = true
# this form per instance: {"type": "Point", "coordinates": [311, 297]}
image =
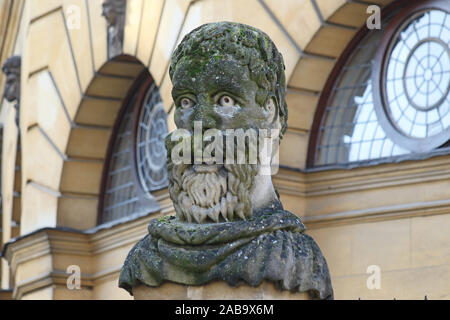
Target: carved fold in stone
{"type": "Point", "coordinates": [11, 68]}
{"type": "Point", "coordinates": [114, 12]}
{"type": "Point", "coordinates": [271, 246]}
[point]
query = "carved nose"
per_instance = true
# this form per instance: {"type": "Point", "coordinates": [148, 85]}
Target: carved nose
{"type": "Point", "coordinates": [206, 116]}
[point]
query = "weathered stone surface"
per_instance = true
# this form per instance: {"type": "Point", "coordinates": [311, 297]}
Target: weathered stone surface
{"type": "Point", "coordinates": [270, 246]}
{"type": "Point", "coordinates": [217, 290]}
{"type": "Point", "coordinates": [230, 226]}
{"type": "Point", "coordinates": [114, 12]}
{"type": "Point", "coordinates": [12, 69]}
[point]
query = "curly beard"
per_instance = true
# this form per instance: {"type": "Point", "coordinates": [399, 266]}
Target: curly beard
{"type": "Point", "coordinates": [213, 193]}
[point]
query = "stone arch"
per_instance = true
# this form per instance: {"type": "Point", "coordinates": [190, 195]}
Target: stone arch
{"type": "Point", "coordinates": [339, 24]}
{"type": "Point", "coordinates": [89, 139]}
{"type": "Point", "coordinates": [310, 48]}
{"type": "Point", "coordinates": [66, 68]}
{"type": "Point", "coordinates": [77, 196]}
{"type": "Point", "coordinates": [72, 94]}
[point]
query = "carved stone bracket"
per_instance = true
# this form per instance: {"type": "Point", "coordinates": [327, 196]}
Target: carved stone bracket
{"type": "Point", "coordinates": [11, 68]}
{"type": "Point", "coordinates": [114, 12]}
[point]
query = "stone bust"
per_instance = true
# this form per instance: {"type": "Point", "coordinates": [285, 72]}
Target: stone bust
{"type": "Point", "coordinates": [114, 12]}
{"type": "Point", "coordinates": [230, 224]}
{"type": "Point", "coordinates": [11, 68]}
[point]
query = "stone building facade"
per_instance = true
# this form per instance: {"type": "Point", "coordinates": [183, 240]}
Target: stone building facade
{"type": "Point", "coordinates": [83, 170]}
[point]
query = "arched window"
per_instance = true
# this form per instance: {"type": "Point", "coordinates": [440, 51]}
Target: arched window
{"type": "Point", "coordinates": [136, 162]}
{"type": "Point", "coordinates": [387, 98]}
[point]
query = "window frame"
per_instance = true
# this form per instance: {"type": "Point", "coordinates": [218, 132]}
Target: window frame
{"type": "Point", "coordinates": [379, 70]}
{"type": "Point", "coordinates": [137, 92]}
{"type": "Point", "coordinates": [326, 95]}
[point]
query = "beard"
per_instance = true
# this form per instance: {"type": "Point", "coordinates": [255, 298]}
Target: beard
{"type": "Point", "coordinates": [212, 193]}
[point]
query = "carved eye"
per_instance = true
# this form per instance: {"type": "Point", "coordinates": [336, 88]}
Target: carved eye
{"type": "Point", "coordinates": [186, 103]}
{"type": "Point", "coordinates": [226, 101]}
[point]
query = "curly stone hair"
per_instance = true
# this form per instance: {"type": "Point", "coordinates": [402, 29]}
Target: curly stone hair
{"type": "Point", "coordinates": [248, 45]}
{"type": "Point", "coordinates": [12, 65]}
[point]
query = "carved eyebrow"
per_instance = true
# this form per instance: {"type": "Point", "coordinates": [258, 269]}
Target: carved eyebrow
{"type": "Point", "coordinates": [232, 89]}
{"type": "Point", "coordinates": [187, 86]}
{"type": "Point", "coordinates": [180, 90]}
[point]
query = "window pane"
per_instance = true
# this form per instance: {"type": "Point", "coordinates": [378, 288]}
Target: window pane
{"type": "Point", "coordinates": [416, 86]}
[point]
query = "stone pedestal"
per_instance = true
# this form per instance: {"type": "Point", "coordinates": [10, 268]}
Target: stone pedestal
{"type": "Point", "coordinates": [215, 291]}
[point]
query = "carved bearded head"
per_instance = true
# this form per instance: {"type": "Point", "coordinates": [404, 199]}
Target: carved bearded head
{"type": "Point", "coordinates": [226, 76]}
{"type": "Point", "coordinates": [112, 9]}
{"type": "Point", "coordinates": [11, 68]}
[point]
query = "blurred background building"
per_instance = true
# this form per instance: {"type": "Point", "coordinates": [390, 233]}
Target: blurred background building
{"type": "Point", "coordinates": [365, 161]}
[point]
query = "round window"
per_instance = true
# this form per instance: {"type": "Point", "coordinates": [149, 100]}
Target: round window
{"type": "Point", "coordinates": [151, 151]}
{"type": "Point", "coordinates": [411, 77]}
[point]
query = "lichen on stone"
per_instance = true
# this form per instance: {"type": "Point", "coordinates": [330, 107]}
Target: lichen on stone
{"type": "Point", "coordinates": [230, 225]}
{"type": "Point", "coordinates": [270, 247]}
{"type": "Point", "coordinates": [248, 45]}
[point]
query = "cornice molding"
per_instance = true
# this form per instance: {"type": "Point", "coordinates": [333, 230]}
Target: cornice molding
{"type": "Point", "coordinates": [35, 247]}
{"type": "Point", "coordinates": [410, 210]}
{"type": "Point", "coordinates": [121, 235]}
{"type": "Point", "coordinates": [305, 184]}
{"type": "Point", "coordinates": [54, 278]}
{"type": "Point", "coordinates": [106, 238]}
{"type": "Point", "coordinates": [67, 242]}
{"type": "Point", "coordinates": [59, 278]}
